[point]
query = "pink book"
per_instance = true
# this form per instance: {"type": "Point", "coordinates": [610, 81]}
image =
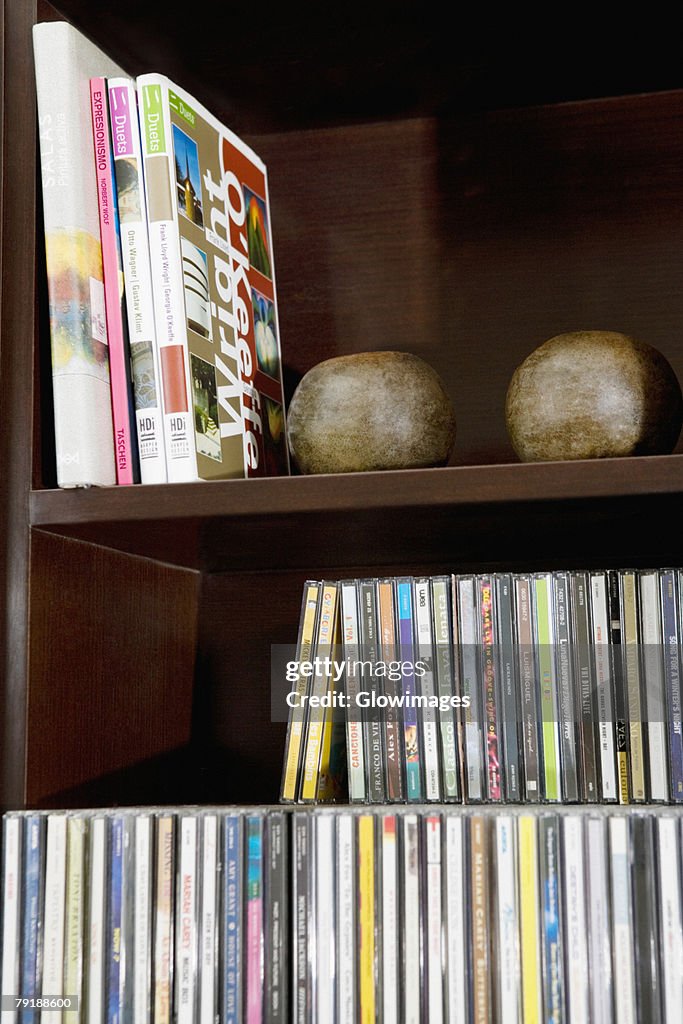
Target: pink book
{"type": "Point", "coordinates": [123, 410]}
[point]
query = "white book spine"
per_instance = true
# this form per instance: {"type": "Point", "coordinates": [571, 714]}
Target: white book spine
{"type": "Point", "coordinates": [411, 919]}
{"type": "Point", "coordinates": [654, 690]}
{"type": "Point", "coordinates": [84, 437]}
{"type": "Point", "coordinates": [55, 900]}
{"type": "Point", "coordinates": [11, 911]}
{"type": "Point", "coordinates": [600, 943]}
{"type": "Point", "coordinates": [434, 920]}
{"type": "Point", "coordinates": [130, 187]}
{"type": "Point", "coordinates": [346, 932]}
{"type": "Point", "coordinates": [456, 957]}
{"type": "Point", "coordinates": [325, 922]}
{"type": "Point", "coordinates": [425, 686]}
{"type": "Point", "coordinates": [354, 726]}
{"type": "Point", "coordinates": [603, 685]}
{"type": "Point", "coordinates": [390, 932]}
{"type": "Point", "coordinates": [143, 919]}
{"type": "Point", "coordinates": [186, 922]}
{"type": "Point", "coordinates": [507, 923]}
{"type": "Point", "coordinates": [575, 920]}
{"type": "Point", "coordinates": [208, 994]}
{"type": "Point", "coordinates": [671, 925]}
{"type": "Point", "coordinates": [167, 279]}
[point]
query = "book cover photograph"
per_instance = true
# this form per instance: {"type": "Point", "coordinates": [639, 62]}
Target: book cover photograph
{"type": "Point", "coordinates": [215, 297]}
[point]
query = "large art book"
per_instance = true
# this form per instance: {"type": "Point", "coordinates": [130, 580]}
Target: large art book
{"type": "Point", "coordinates": [64, 63]}
{"type": "Point", "coordinates": [214, 290]}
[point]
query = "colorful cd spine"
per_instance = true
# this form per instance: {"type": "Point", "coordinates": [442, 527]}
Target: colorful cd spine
{"type": "Point", "coordinates": [615, 620]}
{"type": "Point", "coordinates": [295, 727]}
{"type": "Point", "coordinates": [671, 639]}
{"type": "Point", "coordinates": [346, 920]}
{"type": "Point", "coordinates": [254, 920]}
{"type": "Point", "coordinates": [277, 919]}
{"type": "Point", "coordinates": [113, 948]}
{"type": "Point", "coordinates": [506, 922]}
{"type": "Point", "coordinates": [434, 987]}
{"type": "Point", "coordinates": [163, 918]}
{"type": "Point", "coordinates": [31, 947]}
{"type": "Point", "coordinates": [445, 685]}
{"type": "Point", "coordinates": [467, 642]}
{"type": "Point", "coordinates": [74, 937]}
{"type": "Point", "coordinates": [603, 686]}
{"type": "Point", "coordinates": [551, 939]}
{"type": "Point", "coordinates": [144, 905]}
{"type": "Point", "coordinates": [208, 920]}
{"type": "Point", "coordinates": [653, 688]}
{"type": "Point", "coordinates": [425, 667]}
{"type": "Point", "coordinates": [411, 737]}
{"type": "Point", "coordinates": [583, 676]}
{"type": "Point", "coordinates": [547, 683]}
{"type": "Point", "coordinates": [97, 925]}
{"type": "Point", "coordinates": [529, 920]}
{"type": "Point", "coordinates": [355, 750]}
{"type": "Point", "coordinates": [367, 952]}
{"type": "Point", "coordinates": [509, 684]}
{"type": "Point", "coordinates": [565, 688]}
{"type": "Point", "coordinates": [527, 687]}
{"type": "Point", "coordinates": [370, 682]}
{"type": "Point", "coordinates": [320, 688]}
{"type": "Point", "coordinates": [393, 733]}
{"type": "Point", "coordinates": [410, 920]}
{"type": "Point", "coordinates": [489, 687]}
{"type": "Point", "coordinates": [390, 975]}
{"type": "Point", "coordinates": [233, 910]}
{"type": "Point", "coordinates": [631, 646]}
{"type": "Point", "coordinates": [479, 916]}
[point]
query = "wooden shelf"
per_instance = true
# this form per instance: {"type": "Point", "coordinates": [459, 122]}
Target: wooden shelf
{"type": "Point", "coordinates": [353, 518]}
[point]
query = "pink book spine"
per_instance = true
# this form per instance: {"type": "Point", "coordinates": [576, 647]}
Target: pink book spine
{"type": "Point", "coordinates": [125, 442]}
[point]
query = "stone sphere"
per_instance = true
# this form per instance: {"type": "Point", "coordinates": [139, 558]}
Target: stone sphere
{"type": "Point", "coordinates": [368, 411]}
{"type": "Point", "coordinates": [592, 395]}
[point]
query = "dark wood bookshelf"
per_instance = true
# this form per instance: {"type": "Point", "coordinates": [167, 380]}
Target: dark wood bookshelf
{"type": "Point", "coordinates": [464, 206]}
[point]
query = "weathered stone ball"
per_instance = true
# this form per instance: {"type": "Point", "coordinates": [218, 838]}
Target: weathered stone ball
{"type": "Point", "coordinates": [592, 395]}
{"type": "Point", "coordinates": [368, 411]}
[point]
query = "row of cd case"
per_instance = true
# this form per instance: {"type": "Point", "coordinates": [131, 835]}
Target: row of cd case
{"type": "Point", "coordinates": [145, 916]}
{"type": "Point", "coordinates": [558, 686]}
{"type": "Point", "coordinates": [344, 916]}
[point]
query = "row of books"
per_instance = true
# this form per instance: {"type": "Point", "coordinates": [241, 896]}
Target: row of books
{"type": "Point", "coordinates": [333, 916]}
{"type": "Point", "coordinates": [520, 687]}
{"type": "Point", "coordinates": [163, 309]}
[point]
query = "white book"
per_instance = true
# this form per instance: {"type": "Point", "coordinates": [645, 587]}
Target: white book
{"type": "Point", "coordinates": [208, 968]}
{"type": "Point", "coordinates": [144, 845]}
{"type": "Point", "coordinates": [603, 685]}
{"type": "Point", "coordinates": [425, 685]}
{"type": "Point", "coordinates": [411, 920]}
{"type": "Point", "coordinates": [325, 922]}
{"type": "Point", "coordinates": [467, 642]}
{"type": "Point", "coordinates": [575, 920]}
{"type": "Point", "coordinates": [671, 924]}
{"type": "Point", "coordinates": [186, 921]}
{"type": "Point", "coordinates": [507, 923]}
{"type": "Point", "coordinates": [11, 913]}
{"type": "Point", "coordinates": [84, 438]}
{"type": "Point", "coordinates": [456, 956]}
{"type": "Point", "coordinates": [144, 356]}
{"type": "Point", "coordinates": [599, 923]}
{"type": "Point", "coordinates": [55, 900]}
{"type": "Point", "coordinates": [346, 924]}
{"type": "Point", "coordinates": [622, 922]}
{"type": "Point", "coordinates": [653, 688]}
{"type": "Point", "coordinates": [355, 751]}
{"type": "Point", "coordinates": [390, 918]}
{"type": "Point", "coordinates": [97, 857]}
{"type": "Point", "coordinates": [434, 915]}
